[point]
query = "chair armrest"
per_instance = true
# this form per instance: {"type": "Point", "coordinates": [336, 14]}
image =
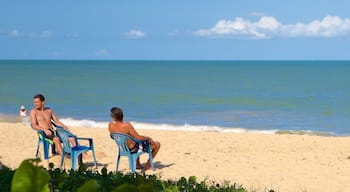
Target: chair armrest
{"type": "Point", "coordinates": [141, 141]}
{"type": "Point", "coordinates": [87, 139]}
{"type": "Point", "coordinates": [84, 138]}
{"type": "Point", "coordinates": [138, 141]}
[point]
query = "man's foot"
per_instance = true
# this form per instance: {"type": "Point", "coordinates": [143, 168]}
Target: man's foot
{"type": "Point", "coordinates": [139, 167]}
{"type": "Point", "coordinates": [147, 166]}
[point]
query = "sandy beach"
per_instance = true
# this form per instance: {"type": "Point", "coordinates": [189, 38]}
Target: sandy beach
{"type": "Point", "coordinates": [256, 161]}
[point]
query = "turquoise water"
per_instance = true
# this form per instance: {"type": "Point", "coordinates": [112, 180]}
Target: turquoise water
{"type": "Point", "coordinates": [254, 95]}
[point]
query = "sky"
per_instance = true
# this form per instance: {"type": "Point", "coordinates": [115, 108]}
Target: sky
{"type": "Point", "coordinates": [175, 30]}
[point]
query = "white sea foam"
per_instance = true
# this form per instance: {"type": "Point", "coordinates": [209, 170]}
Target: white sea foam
{"type": "Point", "coordinates": [83, 123]}
{"type": "Point", "coordinates": [172, 127]}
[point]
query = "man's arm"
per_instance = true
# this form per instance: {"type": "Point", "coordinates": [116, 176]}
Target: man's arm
{"type": "Point", "coordinates": [110, 128]}
{"type": "Point", "coordinates": [134, 134]}
{"type": "Point", "coordinates": [58, 122]}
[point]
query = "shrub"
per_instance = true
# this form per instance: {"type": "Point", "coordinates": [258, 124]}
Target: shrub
{"type": "Point", "coordinates": [31, 177]}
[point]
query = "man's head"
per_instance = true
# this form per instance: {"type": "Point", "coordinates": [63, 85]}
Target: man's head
{"type": "Point", "coordinates": [117, 114]}
{"type": "Point", "coordinates": [39, 101]}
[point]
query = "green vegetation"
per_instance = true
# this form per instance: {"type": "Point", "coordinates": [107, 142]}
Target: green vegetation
{"type": "Point", "coordinates": [31, 177]}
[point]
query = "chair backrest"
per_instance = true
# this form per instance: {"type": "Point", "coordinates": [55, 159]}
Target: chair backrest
{"type": "Point", "coordinates": [64, 136]}
{"type": "Point", "coordinates": [121, 140]}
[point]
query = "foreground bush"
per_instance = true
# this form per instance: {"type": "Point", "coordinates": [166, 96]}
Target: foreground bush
{"type": "Point", "coordinates": [31, 177]}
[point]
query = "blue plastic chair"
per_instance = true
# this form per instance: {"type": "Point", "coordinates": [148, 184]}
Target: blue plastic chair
{"type": "Point", "coordinates": [123, 150]}
{"type": "Point", "coordinates": [76, 151]}
{"type": "Point", "coordinates": [46, 144]}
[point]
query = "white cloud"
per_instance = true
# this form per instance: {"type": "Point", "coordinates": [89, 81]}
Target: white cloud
{"type": "Point", "coordinates": [135, 34]}
{"type": "Point", "coordinates": [268, 27]}
{"type": "Point", "coordinates": [46, 34]}
{"type": "Point", "coordinates": [73, 35]}
{"type": "Point", "coordinates": [174, 33]}
{"type": "Point", "coordinates": [102, 53]}
{"type": "Point", "coordinates": [42, 34]}
{"type": "Point", "coordinates": [56, 53]}
{"type": "Point", "coordinates": [13, 33]}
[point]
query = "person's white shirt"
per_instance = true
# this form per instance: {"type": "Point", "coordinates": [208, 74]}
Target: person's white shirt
{"type": "Point", "coordinates": [23, 114]}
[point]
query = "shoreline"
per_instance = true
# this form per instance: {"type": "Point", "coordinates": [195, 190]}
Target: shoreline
{"type": "Point", "coordinates": [70, 122]}
{"type": "Point", "coordinates": [256, 161]}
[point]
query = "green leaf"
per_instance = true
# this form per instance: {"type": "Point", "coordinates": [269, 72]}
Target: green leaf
{"type": "Point", "coordinates": [126, 188]}
{"type": "Point", "coordinates": [149, 187]}
{"type": "Point", "coordinates": [89, 186]}
{"type": "Point", "coordinates": [192, 180]}
{"type": "Point", "coordinates": [172, 188]}
{"type": "Point", "coordinates": [30, 178]}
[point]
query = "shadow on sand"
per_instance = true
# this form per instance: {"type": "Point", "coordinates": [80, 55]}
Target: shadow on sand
{"type": "Point", "coordinates": [159, 165]}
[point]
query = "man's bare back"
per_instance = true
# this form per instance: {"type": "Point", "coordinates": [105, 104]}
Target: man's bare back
{"type": "Point", "coordinates": [119, 126]}
{"type": "Point", "coordinates": [128, 129]}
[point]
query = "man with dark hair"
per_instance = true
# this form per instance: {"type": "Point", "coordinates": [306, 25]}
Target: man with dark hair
{"type": "Point", "coordinates": [119, 126]}
{"type": "Point", "coordinates": [39, 96]}
{"type": "Point", "coordinates": [41, 117]}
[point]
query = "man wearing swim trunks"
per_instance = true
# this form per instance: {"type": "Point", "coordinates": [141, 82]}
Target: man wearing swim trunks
{"type": "Point", "coordinates": [118, 126]}
{"type": "Point", "coordinates": [41, 117]}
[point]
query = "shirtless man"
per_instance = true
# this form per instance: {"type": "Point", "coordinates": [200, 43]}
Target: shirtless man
{"type": "Point", "coordinates": [41, 117]}
{"type": "Point", "coordinates": [117, 125]}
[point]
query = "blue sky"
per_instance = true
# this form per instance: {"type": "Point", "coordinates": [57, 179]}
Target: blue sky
{"type": "Point", "coordinates": [182, 29]}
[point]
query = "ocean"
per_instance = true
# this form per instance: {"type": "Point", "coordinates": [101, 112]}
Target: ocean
{"type": "Point", "coordinates": [302, 97]}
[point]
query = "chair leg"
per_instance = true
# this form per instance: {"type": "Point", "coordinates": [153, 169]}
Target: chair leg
{"type": "Point", "coordinates": [118, 160]}
{"type": "Point", "coordinates": [53, 148]}
{"type": "Point", "coordinates": [151, 160]}
{"type": "Point", "coordinates": [37, 148]}
{"type": "Point", "coordinates": [46, 149]}
{"type": "Point", "coordinates": [132, 164]}
{"type": "Point", "coordinates": [93, 155]}
{"type": "Point", "coordinates": [80, 159]}
{"type": "Point", "coordinates": [62, 159]}
{"type": "Point", "coordinates": [74, 160]}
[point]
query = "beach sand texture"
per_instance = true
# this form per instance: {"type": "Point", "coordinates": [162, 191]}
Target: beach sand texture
{"type": "Point", "coordinates": [256, 161]}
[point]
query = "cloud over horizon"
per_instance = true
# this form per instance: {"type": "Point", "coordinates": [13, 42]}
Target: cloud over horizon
{"type": "Point", "coordinates": [135, 34]}
{"type": "Point", "coordinates": [102, 52]}
{"type": "Point", "coordinates": [270, 27]}
{"type": "Point", "coordinates": [16, 33]}
{"type": "Point", "coordinates": [13, 33]}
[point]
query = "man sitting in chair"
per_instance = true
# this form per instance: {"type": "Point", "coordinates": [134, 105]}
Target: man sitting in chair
{"type": "Point", "coordinates": [118, 126]}
{"type": "Point", "coordinates": [41, 117]}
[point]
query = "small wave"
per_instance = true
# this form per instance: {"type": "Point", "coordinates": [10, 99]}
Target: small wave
{"type": "Point", "coordinates": [304, 132]}
{"type": "Point", "coordinates": [186, 127]}
{"type": "Point", "coordinates": [83, 123]}
{"type": "Point", "coordinates": [189, 127]}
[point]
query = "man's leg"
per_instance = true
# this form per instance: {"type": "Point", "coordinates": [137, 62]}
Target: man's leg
{"type": "Point", "coordinates": [138, 164]}
{"type": "Point", "coordinates": [58, 145]}
{"type": "Point", "coordinates": [155, 146]}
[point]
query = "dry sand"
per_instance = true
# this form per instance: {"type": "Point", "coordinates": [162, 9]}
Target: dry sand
{"type": "Point", "coordinates": [256, 161]}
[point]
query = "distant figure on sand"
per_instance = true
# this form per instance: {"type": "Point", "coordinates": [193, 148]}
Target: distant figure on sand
{"type": "Point", "coordinates": [41, 117]}
{"type": "Point", "coordinates": [23, 114]}
{"type": "Point", "coordinates": [118, 126]}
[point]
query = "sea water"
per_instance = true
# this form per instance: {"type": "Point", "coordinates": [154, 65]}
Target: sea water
{"type": "Point", "coordinates": [236, 96]}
